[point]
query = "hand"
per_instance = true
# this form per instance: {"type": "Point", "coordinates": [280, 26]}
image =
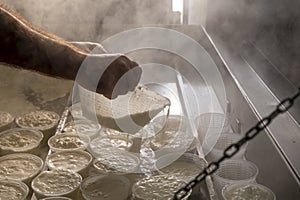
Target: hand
{"type": "Point", "coordinates": [109, 74]}
{"type": "Point", "coordinates": [121, 76]}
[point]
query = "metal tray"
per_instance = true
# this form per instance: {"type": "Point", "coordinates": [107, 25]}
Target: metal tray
{"type": "Point", "coordinates": [174, 87]}
{"type": "Point", "coordinates": [204, 190]}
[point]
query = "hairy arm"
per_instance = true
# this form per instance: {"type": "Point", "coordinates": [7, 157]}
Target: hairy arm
{"type": "Point", "coordinates": [25, 46]}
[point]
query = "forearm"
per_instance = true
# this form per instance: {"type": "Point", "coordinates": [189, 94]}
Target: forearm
{"type": "Point", "coordinates": [25, 46]}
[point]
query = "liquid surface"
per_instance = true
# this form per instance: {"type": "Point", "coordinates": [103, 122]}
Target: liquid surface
{"type": "Point", "coordinates": [83, 127]}
{"type": "Point", "coordinates": [116, 161]}
{"type": "Point", "coordinates": [247, 192]}
{"type": "Point", "coordinates": [162, 139]}
{"type": "Point", "coordinates": [173, 140]}
{"type": "Point", "coordinates": [19, 139]}
{"type": "Point", "coordinates": [107, 187]}
{"type": "Point", "coordinates": [111, 132]}
{"type": "Point", "coordinates": [105, 168]}
{"type": "Point", "coordinates": [38, 119]}
{"type": "Point", "coordinates": [157, 188]}
{"type": "Point", "coordinates": [19, 167]}
{"type": "Point", "coordinates": [67, 141]}
{"type": "Point", "coordinates": [169, 127]}
{"type": "Point", "coordinates": [182, 170]}
{"type": "Point", "coordinates": [174, 135]}
{"type": "Point", "coordinates": [11, 191]}
{"type": "Point", "coordinates": [70, 160]}
{"type": "Point", "coordinates": [101, 143]}
{"type": "Point", "coordinates": [56, 182]}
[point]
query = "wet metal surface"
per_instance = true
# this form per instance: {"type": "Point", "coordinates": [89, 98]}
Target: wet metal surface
{"type": "Point", "coordinates": [23, 91]}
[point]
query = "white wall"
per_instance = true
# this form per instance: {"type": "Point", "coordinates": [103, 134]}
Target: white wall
{"type": "Point", "coordinates": [87, 19]}
{"type": "Point", "coordinates": [197, 12]}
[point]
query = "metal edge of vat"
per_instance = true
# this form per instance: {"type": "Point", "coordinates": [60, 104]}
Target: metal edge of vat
{"type": "Point", "coordinates": [208, 181]}
{"type": "Point", "coordinates": [246, 90]}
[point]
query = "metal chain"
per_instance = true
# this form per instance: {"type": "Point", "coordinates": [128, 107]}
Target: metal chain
{"type": "Point", "coordinates": [231, 150]}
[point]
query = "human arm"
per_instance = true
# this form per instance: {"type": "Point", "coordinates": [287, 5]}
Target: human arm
{"type": "Point", "coordinates": [25, 46]}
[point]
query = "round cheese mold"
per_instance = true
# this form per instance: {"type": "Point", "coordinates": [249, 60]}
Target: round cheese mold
{"type": "Point", "coordinates": [20, 166]}
{"type": "Point", "coordinates": [106, 132]}
{"type": "Point", "coordinates": [56, 198]}
{"type": "Point", "coordinates": [6, 120]}
{"type": "Point", "coordinates": [68, 141]}
{"type": "Point", "coordinates": [20, 140]}
{"type": "Point", "coordinates": [56, 183]}
{"type": "Point", "coordinates": [186, 167]}
{"type": "Point", "coordinates": [84, 127]}
{"type": "Point", "coordinates": [41, 120]}
{"type": "Point", "coordinates": [173, 136]}
{"type": "Point", "coordinates": [75, 160]}
{"type": "Point", "coordinates": [157, 188]}
{"type": "Point", "coordinates": [105, 187]}
{"type": "Point", "coordinates": [116, 162]}
{"type": "Point", "coordinates": [122, 142]}
{"type": "Point", "coordinates": [13, 190]}
{"type": "Point", "coordinates": [45, 121]}
{"type": "Point", "coordinates": [247, 191]}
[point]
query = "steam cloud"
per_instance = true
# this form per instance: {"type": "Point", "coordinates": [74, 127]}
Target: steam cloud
{"type": "Point", "coordinates": [87, 20]}
{"type": "Point", "coordinates": [274, 27]}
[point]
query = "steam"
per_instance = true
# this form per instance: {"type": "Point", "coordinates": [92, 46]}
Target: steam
{"type": "Point", "coordinates": [90, 20]}
{"type": "Point", "coordinates": [274, 27]}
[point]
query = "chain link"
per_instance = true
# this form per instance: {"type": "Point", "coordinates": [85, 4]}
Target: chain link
{"type": "Point", "coordinates": [231, 150]}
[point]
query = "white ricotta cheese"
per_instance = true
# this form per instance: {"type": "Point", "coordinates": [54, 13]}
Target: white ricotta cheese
{"type": "Point", "coordinates": [19, 140]}
{"type": "Point", "coordinates": [106, 187]}
{"type": "Point", "coordinates": [19, 166]}
{"type": "Point", "coordinates": [157, 188]}
{"type": "Point", "coordinates": [13, 190]}
{"type": "Point", "coordinates": [68, 141]}
{"type": "Point", "coordinates": [56, 182]}
{"type": "Point", "coordinates": [41, 120]}
{"type": "Point", "coordinates": [74, 160]}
